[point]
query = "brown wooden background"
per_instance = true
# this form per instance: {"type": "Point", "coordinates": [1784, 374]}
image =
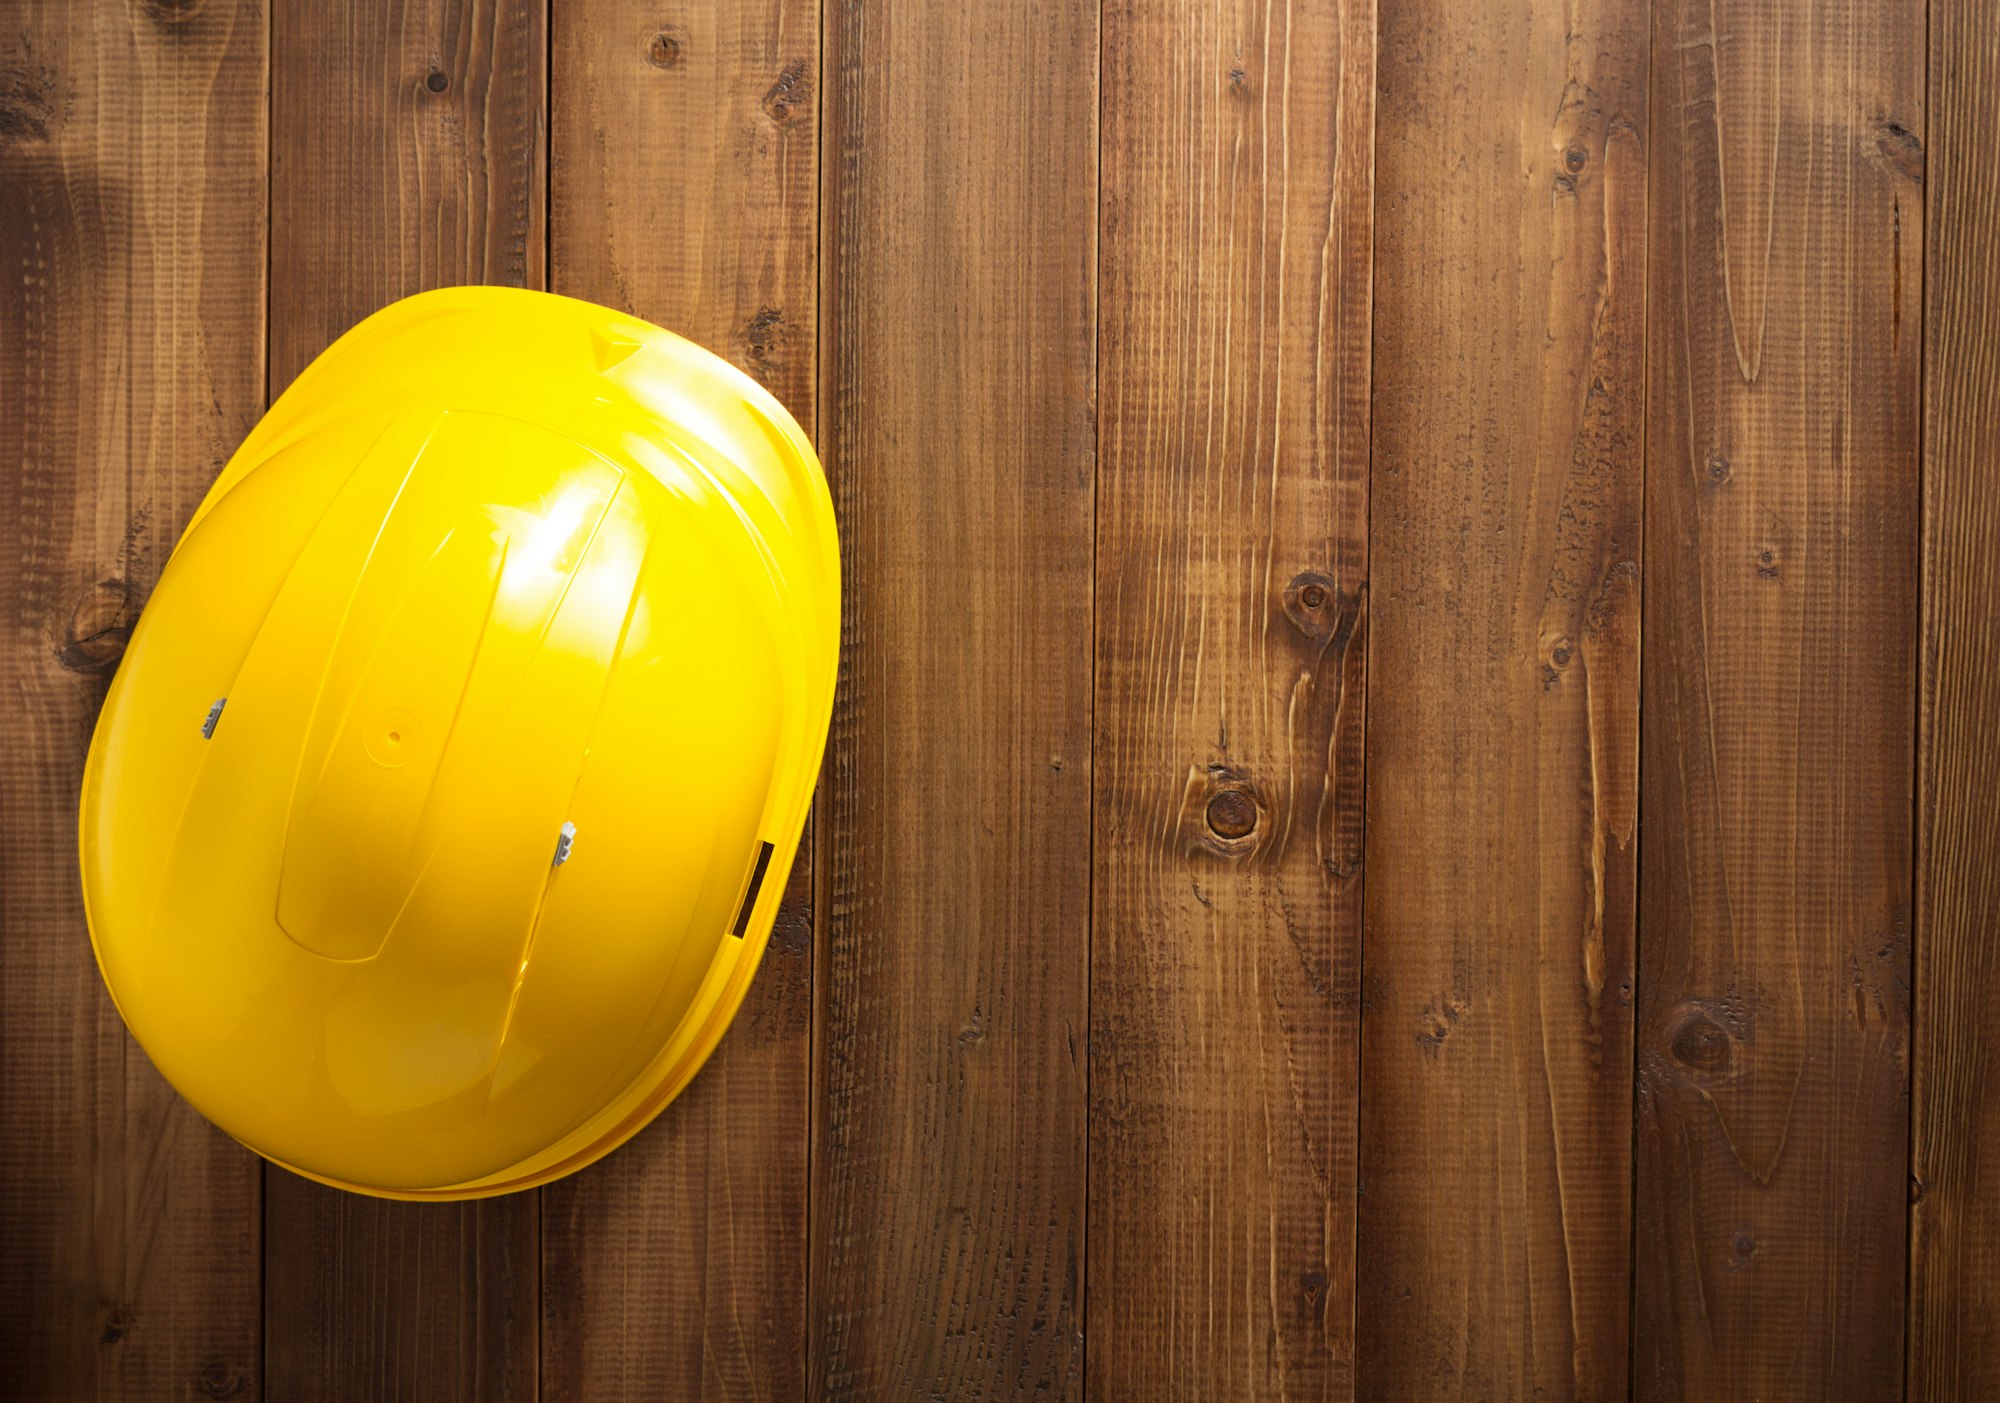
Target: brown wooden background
{"type": "Point", "coordinates": [1414, 810]}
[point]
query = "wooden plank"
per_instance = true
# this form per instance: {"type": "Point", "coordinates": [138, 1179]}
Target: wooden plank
{"type": "Point", "coordinates": [1503, 691]}
{"type": "Point", "coordinates": [132, 158]}
{"type": "Point", "coordinates": [1954, 1347]}
{"type": "Point", "coordinates": [1231, 626]}
{"type": "Point", "coordinates": [408, 152]}
{"type": "Point", "coordinates": [1781, 609]}
{"type": "Point", "coordinates": [369, 1298]}
{"type": "Point", "coordinates": [685, 166]}
{"type": "Point", "coordinates": [958, 317]}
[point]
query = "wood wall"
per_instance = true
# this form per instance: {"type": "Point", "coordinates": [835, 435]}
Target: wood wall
{"type": "Point", "coordinates": [1414, 805]}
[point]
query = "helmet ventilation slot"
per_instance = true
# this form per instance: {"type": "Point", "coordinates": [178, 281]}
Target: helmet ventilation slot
{"type": "Point", "coordinates": [750, 894]}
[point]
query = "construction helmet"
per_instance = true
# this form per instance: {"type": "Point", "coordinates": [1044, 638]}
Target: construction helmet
{"type": "Point", "coordinates": [439, 811]}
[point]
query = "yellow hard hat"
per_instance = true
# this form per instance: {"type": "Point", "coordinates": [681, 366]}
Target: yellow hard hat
{"type": "Point", "coordinates": [440, 808]}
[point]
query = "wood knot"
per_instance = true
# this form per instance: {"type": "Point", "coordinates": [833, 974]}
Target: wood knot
{"type": "Point", "coordinates": [765, 337]}
{"type": "Point", "coordinates": [1435, 1024]}
{"type": "Point", "coordinates": [100, 625]}
{"type": "Point", "coordinates": [1557, 655]}
{"type": "Point", "coordinates": [1315, 605]}
{"type": "Point", "coordinates": [1702, 1046]}
{"type": "Point", "coordinates": [436, 80]}
{"type": "Point", "coordinates": [792, 88]}
{"type": "Point", "coordinates": [665, 49]}
{"type": "Point", "coordinates": [1232, 814]}
{"type": "Point", "coordinates": [171, 12]}
{"type": "Point", "coordinates": [117, 1322]}
{"type": "Point", "coordinates": [215, 1379]}
{"type": "Point", "coordinates": [1902, 148]}
{"type": "Point", "coordinates": [1717, 470]}
{"type": "Point", "coordinates": [1575, 159]}
{"type": "Point", "coordinates": [1220, 813]}
{"type": "Point", "coordinates": [27, 103]}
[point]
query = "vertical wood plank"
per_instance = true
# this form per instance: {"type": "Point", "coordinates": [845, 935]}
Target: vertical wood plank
{"type": "Point", "coordinates": [132, 158]}
{"type": "Point", "coordinates": [958, 344]}
{"type": "Point", "coordinates": [1787, 240]}
{"type": "Point", "coordinates": [1954, 1348]}
{"type": "Point", "coordinates": [1503, 690]}
{"type": "Point", "coordinates": [1231, 627]}
{"type": "Point", "coordinates": [684, 158]}
{"type": "Point", "coordinates": [369, 1298]}
{"type": "Point", "coordinates": [408, 152]}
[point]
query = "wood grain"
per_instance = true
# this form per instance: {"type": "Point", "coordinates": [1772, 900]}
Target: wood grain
{"type": "Point", "coordinates": [684, 161]}
{"type": "Point", "coordinates": [1231, 627]}
{"type": "Point", "coordinates": [372, 1299]}
{"type": "Point", "coordinates": [1781, 606]}
{"type": "Point", "coordinates": [1954, 1346]}
{"type": "Point", "coordinates": [407, 153]}
{"type": "Point", "coordinates": [686, 175]}
{"type": "Point", "coordinates": [957, 351]}
{"type": "Point", "coordinates": [1502, 707]}
{"type": "Point", "coordinates": [132, 150]}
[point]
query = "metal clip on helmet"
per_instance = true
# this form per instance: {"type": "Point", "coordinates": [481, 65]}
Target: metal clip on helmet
{"type": "Point", "coordinates": [438, 814]}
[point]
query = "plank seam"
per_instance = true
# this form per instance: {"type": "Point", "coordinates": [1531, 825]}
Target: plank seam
{"type": "Point", "coordinates": [1360, 900]}
{"type": "Point", "coordinates": [1920, 724]}
{"type": "Point", "coordinates": [814, 879]}
{"type": "Point", "coordinates": [819, 880]}
{"type": "Point", "coordinates": [1637, 958]}
{"type": "Point", "coordinates": [1090, 856]}
{"type": "Point", "coordinates": [264, 1169]}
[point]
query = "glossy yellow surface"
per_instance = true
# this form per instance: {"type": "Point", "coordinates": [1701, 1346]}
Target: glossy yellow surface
{"type": "Point", "coordinates": [498, 561]}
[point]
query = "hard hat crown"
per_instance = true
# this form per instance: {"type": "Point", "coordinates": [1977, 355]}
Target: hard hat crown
{"type": "Point", "coordinates": [425, 825]}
